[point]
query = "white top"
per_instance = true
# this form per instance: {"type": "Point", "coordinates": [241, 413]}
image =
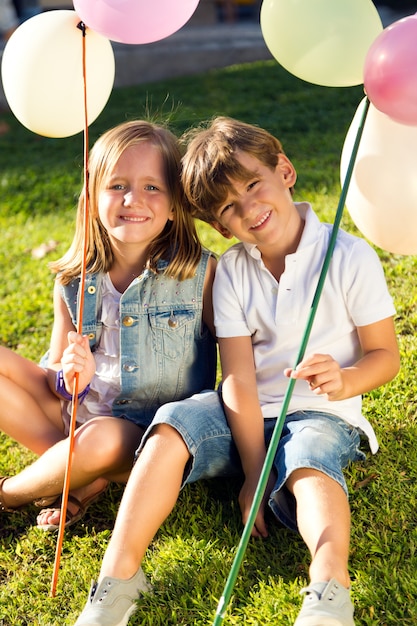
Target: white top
{"type": "Point", "coordinates": [105, 385]}
{"type": "Point", "coordinates": [248, 301]}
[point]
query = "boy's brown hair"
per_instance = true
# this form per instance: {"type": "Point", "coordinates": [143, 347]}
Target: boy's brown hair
{"type": "Point", "coordinates": [210, 162]}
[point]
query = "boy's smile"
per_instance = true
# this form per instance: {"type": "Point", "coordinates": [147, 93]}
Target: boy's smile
{"type": "Point", "coordinates": [260, 210]}
{"type": "Point", "coordinates": [261, 221]}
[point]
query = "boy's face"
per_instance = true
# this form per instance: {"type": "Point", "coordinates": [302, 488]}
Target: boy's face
{"type": "Point", "coordinates": [260, 210]}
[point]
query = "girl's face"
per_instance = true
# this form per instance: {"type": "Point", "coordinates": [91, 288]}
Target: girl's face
{"type": "Point", "coordinates": [134, 202]}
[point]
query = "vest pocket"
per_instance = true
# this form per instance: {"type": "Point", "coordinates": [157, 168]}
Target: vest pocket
{"type": "Point", "coordinates": [172, 332]}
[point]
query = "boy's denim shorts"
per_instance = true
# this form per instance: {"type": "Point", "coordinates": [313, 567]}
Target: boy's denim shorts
{"type": "Point", "coordinates": [309, 439]}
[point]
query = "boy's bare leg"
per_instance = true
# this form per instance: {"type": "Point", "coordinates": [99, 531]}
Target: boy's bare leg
{"type": "Point", "coordinates": [323, 517]}
{"type": "Point", "coordinates": [150, 495]}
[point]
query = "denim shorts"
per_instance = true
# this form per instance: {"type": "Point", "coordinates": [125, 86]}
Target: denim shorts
{"type": "Point", "coordinates": [309, 439]}
{"type": "Point", "coordinates": [314, 440]}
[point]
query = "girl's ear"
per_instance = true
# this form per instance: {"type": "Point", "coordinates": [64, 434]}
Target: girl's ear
{"type": "Point", "coordinates": [287, 170]}
{"type": "Point", "coordinates": [221, 229]}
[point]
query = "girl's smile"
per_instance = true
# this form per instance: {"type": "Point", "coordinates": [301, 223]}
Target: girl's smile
{"type": "Point", "coordinates": [134, 204]}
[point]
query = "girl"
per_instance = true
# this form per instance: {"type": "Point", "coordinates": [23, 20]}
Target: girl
{"type": "Point", "coordinates": [147, 334]}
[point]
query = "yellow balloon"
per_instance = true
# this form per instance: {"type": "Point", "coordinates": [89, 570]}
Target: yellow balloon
{"type": "Point", "coordinates": [324, 42]}
{"type": "Point", "coordinates": [382, 194]}
{"type": "Point", "coordinates": [42, 73]}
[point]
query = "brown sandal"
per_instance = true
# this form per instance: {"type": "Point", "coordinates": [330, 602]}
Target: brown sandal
{"type": "Point", "coordinates": [3, 507]}
{"type": "Point", "coordinates": [71, 518]}
{"type": "Point", "coordinates": [46, 501]}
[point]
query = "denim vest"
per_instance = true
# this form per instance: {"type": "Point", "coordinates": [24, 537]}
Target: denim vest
{"type": "Point", "coordinates": [166, 352]}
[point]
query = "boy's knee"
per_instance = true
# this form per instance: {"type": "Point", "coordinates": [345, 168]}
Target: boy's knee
{"type": "Point", "coordinates": [166, 432]}
{"type": "Point", "coordinates": [165, 440]}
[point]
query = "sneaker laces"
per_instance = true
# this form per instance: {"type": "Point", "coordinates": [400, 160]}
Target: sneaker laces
{"type": "Point", "coordinates": [104, 590]}
{"type": "Point", "coordinates": [315, 588]}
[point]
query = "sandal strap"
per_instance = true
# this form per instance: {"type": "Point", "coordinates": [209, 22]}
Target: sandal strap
{"type": "Point", "coordinates": [57, 506]}
{"type": "Point", "coordinates": [70, 517]}
{"type": "Point", "coordinates": [3, 506]}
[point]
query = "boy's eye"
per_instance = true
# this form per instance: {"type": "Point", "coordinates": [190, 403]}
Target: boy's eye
{"type": "Point", "coordinates": [252, 184]}
{"type": "Point", "coordinates": [225, 208]}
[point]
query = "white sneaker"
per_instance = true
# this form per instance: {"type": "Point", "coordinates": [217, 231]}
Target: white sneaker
{"type": "Point", "coordinates": [331, 606]}
{"type": "Point", "coordinates": [113, 601]}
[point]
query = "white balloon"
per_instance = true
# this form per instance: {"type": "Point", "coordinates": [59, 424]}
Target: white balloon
{"type": "Point", "coordinates": [382, 194]}
{"type": "Point", "coordinates": [42, 73]}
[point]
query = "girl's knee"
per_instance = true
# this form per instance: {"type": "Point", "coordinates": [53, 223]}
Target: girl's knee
{"type": "Point", "coordinates": [106, 444]}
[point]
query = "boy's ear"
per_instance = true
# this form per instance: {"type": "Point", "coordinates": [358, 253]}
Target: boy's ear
{"type": "Point", "coordinates": [221, 229]}
{"type": "Point", "coordinates": [287, 170]}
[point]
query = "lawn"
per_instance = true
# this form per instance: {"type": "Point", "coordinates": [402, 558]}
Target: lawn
{"type": "Point", "coordinates": [190, 558]}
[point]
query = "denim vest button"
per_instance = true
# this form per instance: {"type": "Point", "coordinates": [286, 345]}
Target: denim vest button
{"type": "Point", "coordinates": [129, 367]}
{"type": "Point", "coordinates": [91, 336]}
{"type": "Point", "coordinates": [172, 322]}
{"type": "Point", "coordinates": [128, 320]}
{"type": "Point", "coordinates": [123, 402]}
{"type": "Point", "coordinates": [91, 289]}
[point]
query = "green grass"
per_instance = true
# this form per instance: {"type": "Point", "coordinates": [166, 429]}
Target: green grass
{"type": "Point", "coordinates": [190, 558]}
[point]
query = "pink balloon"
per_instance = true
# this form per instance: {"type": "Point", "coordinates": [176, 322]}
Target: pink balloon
{"type": "Point", "coordinates": [390, 71]}
{"type": "Point", "coordinates": [135, 21]}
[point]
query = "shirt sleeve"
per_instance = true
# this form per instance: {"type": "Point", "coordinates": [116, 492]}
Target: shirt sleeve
{"type": "Point", "coordinates": [229, 317]}
{"type": "Point", "coordinates": [369, 300]}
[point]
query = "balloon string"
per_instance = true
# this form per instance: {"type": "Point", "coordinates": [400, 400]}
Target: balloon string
{"type": "Point", "coordinates": [269, 459]}
{"type": "Point", "coordinates": [64, 499]}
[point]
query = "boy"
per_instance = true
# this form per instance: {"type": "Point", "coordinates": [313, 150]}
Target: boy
{"type": "Point", "coordinates": [237, 177]}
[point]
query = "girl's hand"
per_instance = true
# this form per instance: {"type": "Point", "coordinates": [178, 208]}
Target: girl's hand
{"type": "Point", "coordinates": [77, 358]}
{"type": "Point", "coordinates": [323, 374]}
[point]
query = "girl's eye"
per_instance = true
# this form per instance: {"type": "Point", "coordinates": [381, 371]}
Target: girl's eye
{"type": "Point", "coordinates": [117, 187]}
{"type": "Point", "coordinates": [151, 188]}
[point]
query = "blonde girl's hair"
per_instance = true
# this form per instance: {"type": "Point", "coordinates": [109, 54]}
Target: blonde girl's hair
{"type": "Point", "coordinates": [178, 243]}
{"type": "Point", "coordinates": [211, 163]}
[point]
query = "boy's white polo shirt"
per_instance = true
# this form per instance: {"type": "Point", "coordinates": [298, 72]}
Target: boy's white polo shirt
{"type": "Point", "coordinates": [248, 301]}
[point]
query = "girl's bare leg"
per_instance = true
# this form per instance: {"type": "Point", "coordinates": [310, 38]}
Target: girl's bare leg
{"type": "Point", "coordinates": [29, 412]}
{"type": "Point", "coordinates": [104, 447]}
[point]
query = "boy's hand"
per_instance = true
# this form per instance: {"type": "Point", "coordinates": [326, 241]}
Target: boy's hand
{"type": "Point", "coordinates": [77, 357]}
{"type": "Point", "coordinates": [246, 496]}
{"type": "Point", "coordinates": [323, 374]}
